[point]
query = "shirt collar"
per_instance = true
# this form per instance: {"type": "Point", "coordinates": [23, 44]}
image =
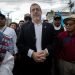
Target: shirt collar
{"type": "Point", "coordinates": [57, 28]}
{"type": "Point", "coordinates": [38, 23]}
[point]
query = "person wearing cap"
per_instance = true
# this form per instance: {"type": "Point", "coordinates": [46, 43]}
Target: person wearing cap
{"type": "Point", "coordinates": [6, 57]}
{"type": "Point", "coordinates": [66, 53]}
{"type": "Point", "coordinates": [57, 24]}
{"type": "Point", "coordinates": [58, 29]}
{"type": "Point", "coordinates": [8, 31]}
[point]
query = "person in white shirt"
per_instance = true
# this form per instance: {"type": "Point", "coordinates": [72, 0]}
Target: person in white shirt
{"type": "Point", "coordinates": [35, 45]}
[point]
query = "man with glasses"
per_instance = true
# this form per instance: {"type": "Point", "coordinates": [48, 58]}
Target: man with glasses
{"type": "Point", "coordinates": [66, 54]}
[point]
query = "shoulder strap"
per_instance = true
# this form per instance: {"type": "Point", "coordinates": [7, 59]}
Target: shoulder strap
{"type": "Point", "coordinates": [4, 29]}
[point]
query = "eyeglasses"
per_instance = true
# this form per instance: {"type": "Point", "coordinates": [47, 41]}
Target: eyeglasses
{"type": "Point", "coordinates": [70, 24]}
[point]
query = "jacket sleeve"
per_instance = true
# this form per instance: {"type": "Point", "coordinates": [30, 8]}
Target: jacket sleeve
{"type": "Point", "coordinates": [21, 42]}
{"type": "Point", "coordinates": [52, 41]}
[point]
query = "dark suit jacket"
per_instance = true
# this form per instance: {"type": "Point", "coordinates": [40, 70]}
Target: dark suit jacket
{"type": "Point", "coordinates": [27, 40]}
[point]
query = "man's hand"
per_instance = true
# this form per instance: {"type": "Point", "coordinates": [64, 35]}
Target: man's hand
{"type": "Point", "coordinates": [46, 52]}
{"type": "Point", "coordinates": [39, 56]}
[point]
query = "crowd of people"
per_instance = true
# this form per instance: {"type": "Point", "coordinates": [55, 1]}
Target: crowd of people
{"type": "Point", "coordinates": [37, 47]}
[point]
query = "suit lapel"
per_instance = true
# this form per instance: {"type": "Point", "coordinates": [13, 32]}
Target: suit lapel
{"type": "Point", "coordinates": [43, 30]}
{"type": "Point", "coordinates": [32, 32]}
{"type": "Point", "coordinates": [43, 33]}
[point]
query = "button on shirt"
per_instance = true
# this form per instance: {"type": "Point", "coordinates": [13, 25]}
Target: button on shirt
{"type": "Point", "coordinates": [38, 34]}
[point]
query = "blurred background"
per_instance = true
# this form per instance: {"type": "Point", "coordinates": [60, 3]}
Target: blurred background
{"type": "Point", "coordinates": [15, 9]}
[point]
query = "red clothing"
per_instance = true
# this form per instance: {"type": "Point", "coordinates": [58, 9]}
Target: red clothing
{"type": "Point", "coordinates": [68, 51]}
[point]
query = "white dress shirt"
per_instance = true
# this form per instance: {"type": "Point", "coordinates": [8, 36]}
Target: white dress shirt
{"type": "Point", "coordinates": [38, 34]}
